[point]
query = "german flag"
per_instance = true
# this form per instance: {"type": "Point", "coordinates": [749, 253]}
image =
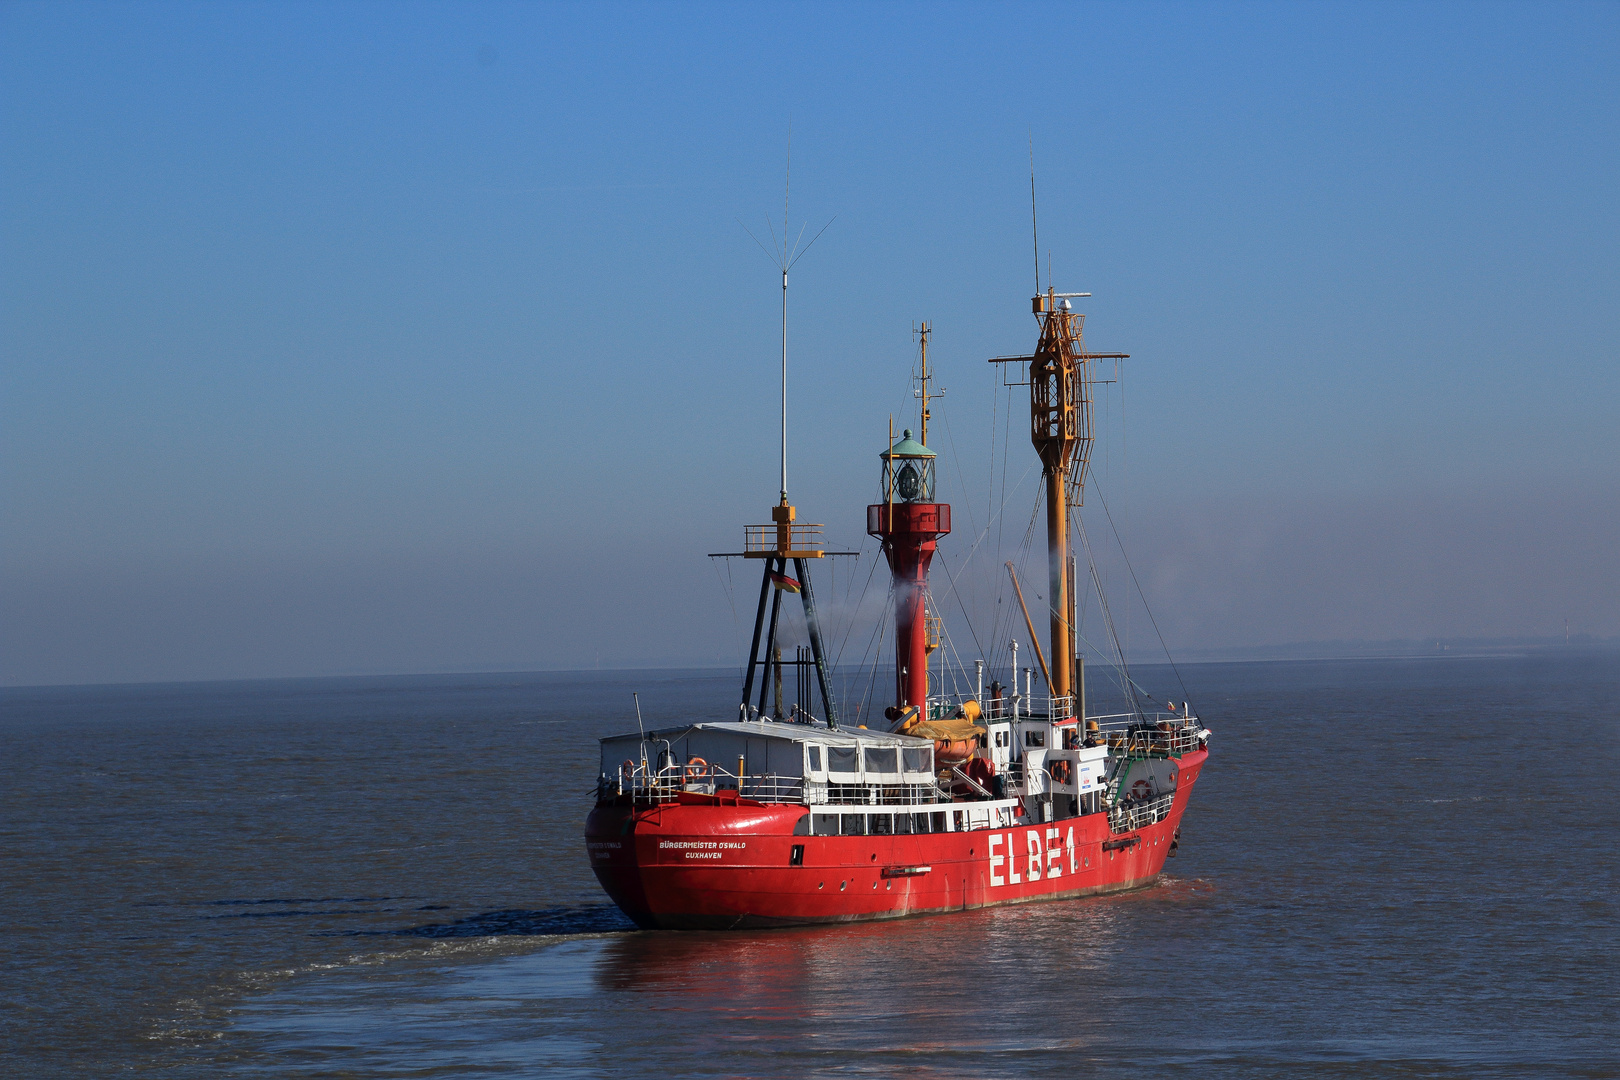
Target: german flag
{"type": "Point", "coordinates": [782, 581]}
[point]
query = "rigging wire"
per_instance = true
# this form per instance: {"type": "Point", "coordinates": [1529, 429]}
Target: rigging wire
{"type": "Point", "coordinates": [1005, 632]}
{"type": "Point", "coordinates": [990, 488]}
{"type": "Point", "coordinates": [850, 628]}
{"type": "Point", "coordinates": [1142, 594]}
{"type": "Point", "coordinates": [1006, 441]}
{"type": "Point", "coordinates": [736, 623]}
{"type": "Point", "coordinates": [956, 458]}
{"type": "Point", "coordinates": [958, 674]}
{"type": "Point", "coordinates": [968, 559]}
{"type": "Point", "coordinates": [951, 586]}
{"type": "Point", "coordinates": [875, 650]}
{"type": "Point", "coordinates": [1126, 682]}
{"type": "Point", "coordinates": [1124, 479]}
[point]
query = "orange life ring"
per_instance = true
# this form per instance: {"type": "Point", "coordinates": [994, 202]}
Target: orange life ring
{"type": "Point", "coordinates": [1141, 789]}
{"type": "Point", "coordinates": [627, 771]}
{"type": "Point", "coordinates": [695, 768]}
{"type": "Point", "coordinates": [1060, 771]}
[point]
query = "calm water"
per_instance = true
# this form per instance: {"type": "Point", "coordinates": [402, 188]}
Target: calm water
{"type": "Point", "coordinates": [1389, 868]}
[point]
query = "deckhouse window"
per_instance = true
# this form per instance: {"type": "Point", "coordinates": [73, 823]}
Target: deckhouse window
{"type": "Point", "coordinates": [841, 759]}
{"type": "Point", "coordinates": [881, 759]}
{"type": "Point", "coordinates": [815, 759]}
{"type": "Point", "coordinates": [916, 758]}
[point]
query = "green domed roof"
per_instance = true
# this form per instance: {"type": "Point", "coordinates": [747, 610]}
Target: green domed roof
{"type": "Point", "coordinates": [907, 447]}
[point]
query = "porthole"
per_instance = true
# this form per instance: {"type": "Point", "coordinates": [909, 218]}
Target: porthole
{"type": "Point", "coordinates": [842, 885]}
{"type": "Point", "coordinates": [821, 884]}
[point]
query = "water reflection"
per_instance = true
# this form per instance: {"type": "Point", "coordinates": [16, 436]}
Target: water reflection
{"type": "Point", "coordinates": [942, 990]}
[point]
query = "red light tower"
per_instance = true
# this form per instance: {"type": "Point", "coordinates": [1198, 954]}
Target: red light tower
{"type": "Point", "coordinates": [910, 522]}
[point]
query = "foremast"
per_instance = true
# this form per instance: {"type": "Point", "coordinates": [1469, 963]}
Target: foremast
{"type": "Point", "coordinates": [781, 542]}
{"type": "Point", "coordinates": [777, 544]}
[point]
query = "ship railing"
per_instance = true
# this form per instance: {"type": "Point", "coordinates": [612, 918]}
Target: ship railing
{"type": "Point", "coordinates": [1139, 814]}
{"type": "Point", "coordinates": [1052, 709]}
{"type": "Point", "coordinates": [1148, 734]}
{"type": "Point", "coordinates": [769, 787]}
{"type": "Point", "coordinates": [778, 539]}
{"type": "Point", "coordinates": [649, 784]}
{"type": "Point", "coordinates": [884, 794]}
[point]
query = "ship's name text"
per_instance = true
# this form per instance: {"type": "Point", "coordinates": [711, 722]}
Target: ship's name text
{"type": "Point", "coordinates": [702, 849]}
{"type": "Point", "coordinates": [1043, 856]}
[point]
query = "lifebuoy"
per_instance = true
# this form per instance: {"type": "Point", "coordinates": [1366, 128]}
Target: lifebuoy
{"type": "Point", "coordinates": [1141, 789]}
{"type": "Point", "coordinates": [1060, 771]}
{"type": "Point", "coordinates": [695, 768]}
{"type": "Point", "coordinates": [627, 771]}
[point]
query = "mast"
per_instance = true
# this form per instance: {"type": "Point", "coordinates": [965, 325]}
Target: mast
{"type": "Point", "coordinates": [1061, 431]}
{"type": "Point", "coordinates": [784, 378]}
{"type": "Point", "coordinates": [784, 541]}
{"type": "Point", "coordinates": [923, 393]}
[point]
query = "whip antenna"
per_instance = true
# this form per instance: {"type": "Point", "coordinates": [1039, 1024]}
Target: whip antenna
{"type": "Point", "coordinates": [784, 258]}
{"type": "Point", "coordinates": [1035, 232]}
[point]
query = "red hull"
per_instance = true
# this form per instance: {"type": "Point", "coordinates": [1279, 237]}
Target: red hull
{"type": "Point", "coordinates": [705, 863]}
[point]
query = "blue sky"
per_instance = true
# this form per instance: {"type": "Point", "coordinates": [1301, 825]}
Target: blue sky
{"type": "Point", "coordinates": [423, 337]}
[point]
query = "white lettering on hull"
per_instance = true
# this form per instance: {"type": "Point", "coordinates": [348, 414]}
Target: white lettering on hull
{"type": "Point", "coordinates": [1042, 857]}
{"type": "Point", "coordinates": [701, 850]}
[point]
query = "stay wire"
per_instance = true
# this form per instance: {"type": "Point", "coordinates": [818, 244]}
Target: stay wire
{"type": "Point", "coordinates": [966, 619]}
{"type": "Point", "coordinates": [1127, 684]}
{"type": "Point", "coordinates": [1145, 606]}
{"type": "Point", "coordinates": [850, 627]}
{"type": "Point", "coordinates": [736, 624]}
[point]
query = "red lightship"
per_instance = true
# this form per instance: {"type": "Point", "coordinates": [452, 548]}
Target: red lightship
{"type": "Point", "coordinates": [777, 817]}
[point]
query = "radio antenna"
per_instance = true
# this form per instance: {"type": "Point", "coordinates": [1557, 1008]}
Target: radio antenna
{"type": "Point", "coordinates": [1035, 232]}
{"type": "Point", "coordinates": [784, 258]}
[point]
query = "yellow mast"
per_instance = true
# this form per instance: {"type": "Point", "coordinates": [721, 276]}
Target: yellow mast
{"type": "Point", "coordinates": [1060, 429]}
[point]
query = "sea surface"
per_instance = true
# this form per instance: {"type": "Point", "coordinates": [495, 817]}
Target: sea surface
{"type": "Point", "coordinates": [1389, 868]}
